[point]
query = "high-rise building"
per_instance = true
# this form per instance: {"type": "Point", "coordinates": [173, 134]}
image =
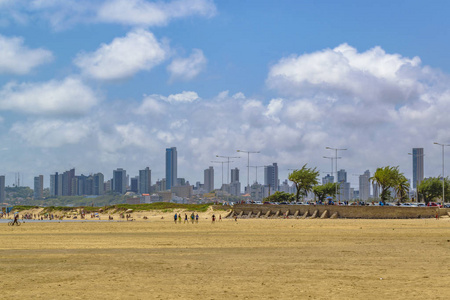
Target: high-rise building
{"type": "Point", "coordinates": [67, 177]}
{"type": "Point", "coordinates": [54, 184]}
{"type": "Point", "coordinates": [119, 181]}
{"type": "Point", "coordinates": [364, 186]}
{"type": "Point", "coordinates": [38, 187]}
{"type": "Point", "coordinates": [99, 187]}
{"type": "Point", "coordinates": [171, 167]}
{"type": "Point", "coordinates": [2, 189]}
{"type": "Point", "coordinates": [327, 179]}
{"type": "Point", "coordinates": [145, 181]}
{"type": "Point", "coordinates": [209, 179]}
{"type": "Point", "coordinates": [134, 184]}
{"type": "Point", "coordinates": [417, 156]}
{"type": "Point", "coordinates": [235, 175]}
{"type": "Point", "coordinates": [271, 176]}
{"type": "Point", "coordinates": [342, 176]}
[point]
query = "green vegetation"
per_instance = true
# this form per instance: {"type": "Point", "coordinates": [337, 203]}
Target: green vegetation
{"type": "Point", "coordinates": [431, 189]}
{"type": "Point", "coordinates": [390, 178]}
{"type": "Point", "coordinates": [304, 180]}
{"type": "Point", "coordinates": [280, 197]}
{"type": "Point", "coordinates": [327, 189]}
{"type": "Point", "coordinates": [76, 201]}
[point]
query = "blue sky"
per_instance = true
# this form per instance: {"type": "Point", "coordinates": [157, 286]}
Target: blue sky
{"type": "Point", "coordinates": [98, 85]}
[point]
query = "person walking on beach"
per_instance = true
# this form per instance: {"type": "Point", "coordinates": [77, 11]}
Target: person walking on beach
{"type": "Point", "coordinates": [213, 219]}
{"type": "Point", "coordinates": [185, 218]}
{"type": "Point", "coordinates": [16, 217]}
{"type": "Point", "coordinates": [196, 218]}
{"type": "Point", "coordinates": [179, 218]}
{"type": "Point", "coordinates": [175, 218]}
{"type": "Point", "coordinates": [192, 217]}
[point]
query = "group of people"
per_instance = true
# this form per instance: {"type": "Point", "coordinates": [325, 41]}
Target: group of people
{"type": "Point", "coordinates": [193, 217]}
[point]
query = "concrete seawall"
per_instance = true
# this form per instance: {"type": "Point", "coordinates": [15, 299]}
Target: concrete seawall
{"type": "Point", "coordinates": [335, 211]}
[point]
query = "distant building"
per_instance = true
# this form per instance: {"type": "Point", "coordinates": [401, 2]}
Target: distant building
{"type": "Point", "coordinates": [119, 181]}
{"type": "Point", "coordinates": [2, 189]}
{"type": "Point", "coordinates": [134, 184]}
{"type": "Point", "coordinates": [417, 157]}
{"type": "Point", "coordinates": [183, 191]}
{"type": "Point", "coordinates": [38, 187]}
{"type": "Point", "coordinates": [145, 181]}
{"type": "Point", "coordinates": [342, 176]}
{"type": "Point", "coordinates": [99, 187]}
{"type": "Point", "coordinates": [364, 186]}
{"type": "Point", "coordinates": [271, 177]}
{"type": "Point", "coordinates": [209, 179]}
{"type": "Point", "coordinates": [171, 167]}
{"type": "Point", "coordinates": [327, 179]}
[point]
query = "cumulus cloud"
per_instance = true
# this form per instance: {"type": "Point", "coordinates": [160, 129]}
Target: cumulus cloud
{"type": "Point", "coordinates": [186, 97]}
{"type": "Point", "coordinates": [187, 68]}
{"type": "Point", "coordinates": [123, 57]}
{"type": "Point", "coordinates": [18, 59]}
{"type": "Point", "coordinates": [372, 75]}
{"type": "Point", "coordinates": [156, 105]}
{"type": "Point", "coordinates": [67, 97]}
{"type": "Point", "coordinates": [141, 12]}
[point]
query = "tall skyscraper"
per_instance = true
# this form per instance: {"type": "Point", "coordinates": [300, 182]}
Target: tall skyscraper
{"type": "Point", "coordinates": [234, 175]}
{"type": "Point", "coordinates": [119, 181]}
{"type": "Point", "coordinates": [54, 184]}
{"type": "Point", "coordinates": [171, 167]}
{"type": "Point", "coordinates": [271, 176]}
{"type": "Point", "coordinates": [342, 176]}
{"type": "Point", "coordinates": [134, 184]}
{"type": "Point", "coordinates": [38, 187]}
{"type": "Point", "coordinates": [145, 181]}
{"type": "Point", "coordinates": [209, 179]}
{"type": "Point", "coordinates": [99, 184]}
{"type": "Point", "coordinates": [67, 182]}
{"type": "Point", "coordinates": [2, 189]}
{"type": "Point", "coordinates": [417, 154]}
{"type": "Point", "coordinates": [364, 186]}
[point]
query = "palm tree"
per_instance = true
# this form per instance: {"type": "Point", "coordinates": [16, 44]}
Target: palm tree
{"type": "Point", "coordinates": [401, 187]}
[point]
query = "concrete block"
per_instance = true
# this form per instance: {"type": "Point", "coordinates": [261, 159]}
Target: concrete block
{"type": "Point", "coordinates": [305, 215]}
{"type": "Point", "coordinates": [334, 216]}
{"type": "Point", "coordinates": [324, 214]}
{"type": "Point", "coordinates": [258, 214]}
{"type": "Point", "coordinates": [267, 213]}
{"type": "Point", "coordinates": [314, 215]}
{"type": "Point", "coordinates": [296, 213]}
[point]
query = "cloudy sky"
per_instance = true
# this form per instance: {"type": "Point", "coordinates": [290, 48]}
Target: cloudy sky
{"type": "Point", "coordinates": [98, 85]}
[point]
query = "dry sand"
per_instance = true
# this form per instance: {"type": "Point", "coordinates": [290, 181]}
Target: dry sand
{"type": "Point", "coordinates": [247, 259]}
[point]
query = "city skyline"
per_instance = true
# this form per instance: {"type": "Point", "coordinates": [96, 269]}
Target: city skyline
{"type": "Point", "coordinates": [82, 86]}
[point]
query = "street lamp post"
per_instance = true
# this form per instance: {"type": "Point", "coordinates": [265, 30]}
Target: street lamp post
{"type": "Point", "coordinates": [443, 178]}
{"type": "Point", "coordinates": [228, 162]}
{"type": "Point", "coordinates": [248, 164]}
{"type": "Point", "coordinates": [256, 167]}
{"type": "Point", "coordinates": [220, 162]}
{"type": "Point", "coordinates": [336, 158]}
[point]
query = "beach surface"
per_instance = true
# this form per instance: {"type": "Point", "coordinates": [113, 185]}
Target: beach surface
{"type": "Point", "coordinates": [247, 259]}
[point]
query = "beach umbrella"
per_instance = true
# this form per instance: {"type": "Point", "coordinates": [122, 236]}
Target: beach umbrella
{"type": "Point", "coordinates": [129, 210]}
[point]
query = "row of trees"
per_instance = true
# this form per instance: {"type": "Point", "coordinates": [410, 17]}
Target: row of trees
{"type": "Point", "coordinates": [388, 179]}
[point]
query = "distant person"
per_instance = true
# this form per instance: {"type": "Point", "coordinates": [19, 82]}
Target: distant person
{"type": "Point", "coordinates": [196, 218]}
{"type": "Point", "coordinates": [175, 218]}
{"type": "Point", "coordinates": [220, 218]}
{"type": "Point", "coordinates": [192, 218]}
{"type": "Point", "coordinates": [213, 218]}
{"type": "Point", "coordinates": [179, 218]}
{"type": "Point", "coordinates": [185, 218]}
{"type": "Point", "coordinates": [235, 218]}
{"type": "Point", "coordinates": [16, 218]}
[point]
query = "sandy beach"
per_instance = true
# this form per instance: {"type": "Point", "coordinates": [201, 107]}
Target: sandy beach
{"type": "Point", "coordinates": [247, 259]}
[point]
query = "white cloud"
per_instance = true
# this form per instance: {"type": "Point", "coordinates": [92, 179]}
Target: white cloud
{"type": "Point", "coordinates": [187, 68]}
{"type": "Point", "coordinates": [186, 97]}
{"type": "Point", "coordinates": [137, 51]}
{"type": "Point", "coordinates": [141, 12]}
{"type": "Point", "coordinates": [52, 133]}
{"type": "Point", "coordinates": [67, 97]}
{"type": "Point", "coordinates": [368, 76]}
{"type": "Point", "coordinates": [16, 58]}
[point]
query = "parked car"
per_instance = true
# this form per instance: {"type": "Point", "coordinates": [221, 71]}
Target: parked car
{"type": "Point", "coordinates": [434, 204]}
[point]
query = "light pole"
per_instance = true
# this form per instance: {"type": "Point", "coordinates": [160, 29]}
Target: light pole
{"type": "Point", "coordinates": [248, 164]}
{"type": "Point", "coordinates": [417, 179]}
{"type": "Point", "coordinates": [220, 162]}
{"type": "Point", "coordinates": [228, 162]}
{"type": "Point", "coordinates": [256, 167]}
{"type": "Point", "coordinates": [443, 178]}
{"type": "Point", "coordinates": [336, 158]}
{"type": "Point", "coordinates": [331, 158]}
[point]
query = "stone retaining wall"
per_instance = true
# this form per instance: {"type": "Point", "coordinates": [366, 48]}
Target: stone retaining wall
{"type": "Point", "coordinates": [350, 212]}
